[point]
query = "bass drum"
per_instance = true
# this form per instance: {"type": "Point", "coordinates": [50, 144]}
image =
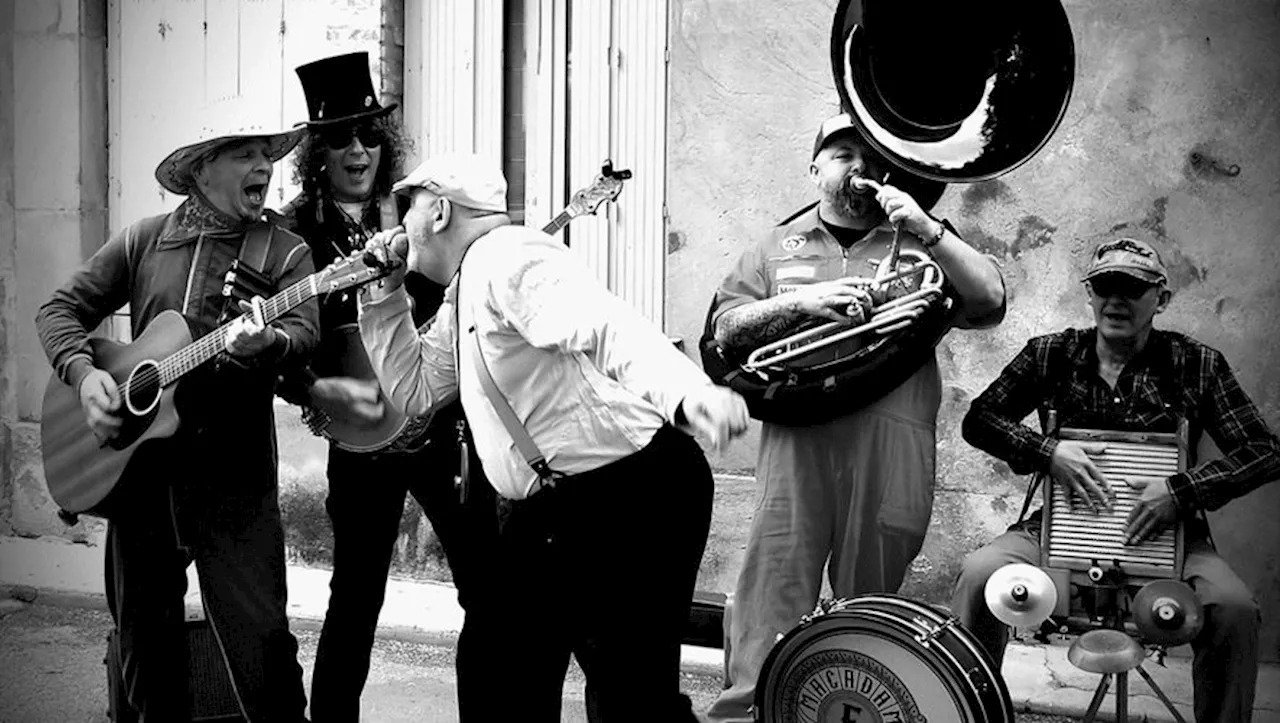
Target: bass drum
{"type": "Point", "coordinates": [880, 659]}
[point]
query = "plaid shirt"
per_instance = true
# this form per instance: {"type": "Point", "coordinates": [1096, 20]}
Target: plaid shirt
{"type": "Point", "coordinates": [1173, 377]}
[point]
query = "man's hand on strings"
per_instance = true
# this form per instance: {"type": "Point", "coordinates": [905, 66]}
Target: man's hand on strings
{"type": "Point", "coordinates": [100, 399]}
{"type": "Point", "coordinates": [358, 401]}
{"type": "Point", "coordinates": [246, 336]}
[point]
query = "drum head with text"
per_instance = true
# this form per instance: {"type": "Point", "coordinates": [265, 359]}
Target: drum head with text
{"type": "Point", "coordinates": [880, 660]}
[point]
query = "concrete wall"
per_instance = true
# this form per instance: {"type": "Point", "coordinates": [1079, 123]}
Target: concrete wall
{"type": "Point", "coordinates": [53, 183]}
{"type": "Point", "coordinates": [8, 290]}
{"type": "Point", "coordinates": [1169, 96]}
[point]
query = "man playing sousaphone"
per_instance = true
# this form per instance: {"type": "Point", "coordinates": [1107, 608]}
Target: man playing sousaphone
{"type": "Point", "coordinates": [853, 492]}
{"type": "Point", "coordinates": [1123, 374]}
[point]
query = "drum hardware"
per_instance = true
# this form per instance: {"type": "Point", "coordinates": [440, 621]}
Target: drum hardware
{"type": "Point", "coordinates": [932, 632]}
{"type": "Point", "coordinates": [1113, 653]}
{"type": "Point", "coordinates": [1132, 596]}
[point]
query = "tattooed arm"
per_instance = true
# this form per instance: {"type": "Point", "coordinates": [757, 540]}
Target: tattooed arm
{"type": "Point", "coordinates": [759, 322]}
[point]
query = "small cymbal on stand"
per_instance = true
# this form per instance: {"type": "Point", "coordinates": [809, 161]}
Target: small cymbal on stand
{"type": "Point", "coordinates": [1021, 595]}
{"type": "Point", "coordinates": [1167, 612]}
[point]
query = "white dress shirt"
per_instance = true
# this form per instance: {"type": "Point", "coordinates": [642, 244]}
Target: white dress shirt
{"type": "Point", "coordinates": [590, 379]}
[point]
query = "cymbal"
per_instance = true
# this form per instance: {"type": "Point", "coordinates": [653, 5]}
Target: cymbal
{"type": "Point", "coordinates": [1167, 612]}
{"type": "Point", "coordinates": [1021, 595]}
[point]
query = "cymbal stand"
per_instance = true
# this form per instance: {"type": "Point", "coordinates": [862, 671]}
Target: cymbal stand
{"type": "Point", "coordinates": [1111, 651]}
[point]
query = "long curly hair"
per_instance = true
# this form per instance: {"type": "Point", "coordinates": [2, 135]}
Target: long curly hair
{"type": "Point", "coordinates": [309, 159]}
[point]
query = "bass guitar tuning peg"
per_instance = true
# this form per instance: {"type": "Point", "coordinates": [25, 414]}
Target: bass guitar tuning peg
{"type": "Point", "coordinates": [607, 171]}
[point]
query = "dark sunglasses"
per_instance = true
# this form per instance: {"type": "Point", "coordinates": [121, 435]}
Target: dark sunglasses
{"type": "Point", "coordinates": [340, 137]}
{"type": "Point", "coordinates": [1121, 285]}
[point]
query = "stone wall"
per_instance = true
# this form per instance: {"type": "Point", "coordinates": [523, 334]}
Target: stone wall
{"type": "Point", "coordinates": [1170, 98]}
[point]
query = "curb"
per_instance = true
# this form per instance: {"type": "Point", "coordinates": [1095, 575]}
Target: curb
{"type": "Point", "coordinates": [699, 663]}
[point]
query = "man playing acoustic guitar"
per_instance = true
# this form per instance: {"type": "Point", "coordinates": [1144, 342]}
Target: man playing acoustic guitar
{"type": "Point", "coordinates": [208, 493]}
{"type": "Point", "coordinates": [345, 165]}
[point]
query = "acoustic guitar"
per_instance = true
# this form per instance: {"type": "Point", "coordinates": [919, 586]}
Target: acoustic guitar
{"type": "Point", "coordinates": [394, 431]}
{"type": "Point", "coordinates": [81, 472]}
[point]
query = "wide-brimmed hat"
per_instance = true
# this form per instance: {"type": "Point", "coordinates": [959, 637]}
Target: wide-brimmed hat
{"type": "Point", "coordinates": [174, 172]}
{"type": "Point", "coordinates": [339, 89]}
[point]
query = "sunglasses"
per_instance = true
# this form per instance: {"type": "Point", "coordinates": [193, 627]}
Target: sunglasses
{"type": "Point", "coordinates": [338, 138]}
{"type": "Point", "coordinates": [1121, 285]}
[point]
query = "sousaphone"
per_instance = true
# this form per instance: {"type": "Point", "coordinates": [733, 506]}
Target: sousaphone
{"type": "Point", "coordinates": [954, 92]}
{"type": "Point", "coordinates": [948, 93]}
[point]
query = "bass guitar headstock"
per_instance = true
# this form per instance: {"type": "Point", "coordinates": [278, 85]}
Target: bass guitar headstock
{"type": "Point", "coordinates": [606, 187]}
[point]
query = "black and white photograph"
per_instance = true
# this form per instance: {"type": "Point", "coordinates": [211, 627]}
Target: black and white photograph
{"type": "Point", "coordinates": [612, 361]}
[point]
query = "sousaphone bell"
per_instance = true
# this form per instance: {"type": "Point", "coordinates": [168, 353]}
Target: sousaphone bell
{"type": "Point", "coordinates": [954, 92]}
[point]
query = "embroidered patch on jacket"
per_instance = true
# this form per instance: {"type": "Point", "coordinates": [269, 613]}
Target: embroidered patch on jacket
{"type": "Point", "coordinates": [793, 243]}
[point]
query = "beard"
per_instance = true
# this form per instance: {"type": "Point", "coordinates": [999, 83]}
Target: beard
{"type": "Point", "coordinates": [849, 203]}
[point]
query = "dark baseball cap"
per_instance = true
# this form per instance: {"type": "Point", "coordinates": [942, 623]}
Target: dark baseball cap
{"type": "Point", "coordinates": [1128, 256]}
{"type": "Point", "coordinates": [832, 128]}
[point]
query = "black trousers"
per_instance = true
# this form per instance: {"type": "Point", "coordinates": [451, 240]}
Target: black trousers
{"type": "Point", "coordinates": [366, 500]}
{"type": "Point", "coordinates": [177, 507]}
{"type": "Point", "coordinates": [606, 562]}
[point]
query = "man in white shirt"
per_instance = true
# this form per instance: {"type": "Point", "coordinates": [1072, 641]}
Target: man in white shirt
{"type": "Point", "coordinates": [602, 540]}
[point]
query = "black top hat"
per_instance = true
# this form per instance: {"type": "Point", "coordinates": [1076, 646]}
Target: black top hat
{"type": "Point", "coordinates": [339, 89]}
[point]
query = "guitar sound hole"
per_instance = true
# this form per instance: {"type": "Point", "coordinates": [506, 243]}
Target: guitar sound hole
{"type": "Point", "coordinates": [142, 388]}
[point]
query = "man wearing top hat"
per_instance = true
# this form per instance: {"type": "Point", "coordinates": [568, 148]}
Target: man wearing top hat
{"type": "Point", "coordinates": [1124, 374]}
{"type": "Point", "coordinates": [345, 165]}
{"type": "Point", "coordinates": [208, 493]}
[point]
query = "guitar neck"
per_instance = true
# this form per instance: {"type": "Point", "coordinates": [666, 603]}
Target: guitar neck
{"type": "Point", "coordinates": [560, 221]}
{"type": "Point", "coordinates": [208, 346]}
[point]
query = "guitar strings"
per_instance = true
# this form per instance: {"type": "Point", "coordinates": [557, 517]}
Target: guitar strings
{"type": "Point", "coordinates": [160, 374]}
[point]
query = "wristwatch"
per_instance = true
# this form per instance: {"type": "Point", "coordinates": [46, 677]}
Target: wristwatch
{"type": "Point", "coordinates": [943, 227]}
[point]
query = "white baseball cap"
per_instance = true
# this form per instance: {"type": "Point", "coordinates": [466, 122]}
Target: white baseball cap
{"type": "Point", "coordinates": [465, 179]}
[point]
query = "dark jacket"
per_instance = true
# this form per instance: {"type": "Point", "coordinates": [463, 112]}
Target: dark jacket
{"type": "Point", "coordinates": [327, 232]}
{"type": "Point", "coordinates": [177, 261]}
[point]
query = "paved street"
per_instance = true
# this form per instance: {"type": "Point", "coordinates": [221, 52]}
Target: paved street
{"type": "Point", "coordinates": [52, 672]}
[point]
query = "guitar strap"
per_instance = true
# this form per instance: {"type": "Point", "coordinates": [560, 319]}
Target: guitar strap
{"type": "Point", "coordinates": [388, 214]}
{"type": "Point", "coordinates": [250, 267]}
